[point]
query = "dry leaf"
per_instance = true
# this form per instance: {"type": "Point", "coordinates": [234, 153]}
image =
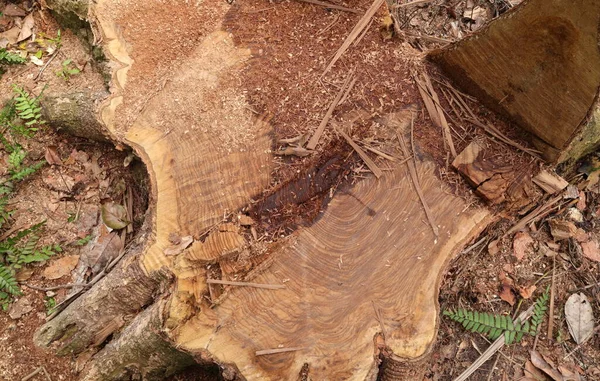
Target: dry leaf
{"type": "Point", "coordinates": [114, 215]}
{"type": "Point", "coordinates": [105, 249]}
{"type": "Point", "coordinates": [580, 317]}
{"type": "Point", "coordinates": [591, 250]}
{"type": "Point", "coordinates": [23, 274]}
{"type": "Point", "coordinates": [12, 10]}
{"type": "Point", "coordinates": [20, 308]}
{"type": "Point", "coordinates": [568, 374]}
{"type": "Point", "coordinates": [582, 201]}
{"type": "Point", "coordinates": [540, 363]}
{"type": "Point", "coordinates": [533, 374]}
{"type": "Point", "coordinates": [520, 244]}
{"type": "Point", "coordinates": [507, 295]}
{"type": "Point", "coordinates": [61, 267]}
{"type": "Point", "coordinates": [26, 28]}
{"type": "Point", "coordinates": [52, 156]}
{"type": "Point", "coordinates": [183, 244]}
{"type": "Point", "coordinates": [11, 35]}
{"type": "Point", "coordinates": [526, 292]}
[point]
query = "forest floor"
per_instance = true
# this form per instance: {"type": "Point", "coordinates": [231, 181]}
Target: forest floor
{"type": "Point", "coordinates": [498, 273]}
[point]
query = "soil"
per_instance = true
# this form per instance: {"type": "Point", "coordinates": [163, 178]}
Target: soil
{"type": "Point", "coordinates": [292, 42]}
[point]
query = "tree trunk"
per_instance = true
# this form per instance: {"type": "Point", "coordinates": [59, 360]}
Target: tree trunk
{"type": "Point", "coordinates": [358, 285]}
{"type": "Point", "coordinates": [538, 64]}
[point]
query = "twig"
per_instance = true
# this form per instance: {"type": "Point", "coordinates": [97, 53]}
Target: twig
{"type": "Point", "coordinates": [68, 285]}
{"type": "Point", "coordinates": [538, 212]}
{"type": "Point", "coordinates": [246, 284]}
{"type": "Point", "coordinates": [331, 6]}
{"type": "Point", "coordinates": [46, 65]}
{"type": "Point", "coordinates": [378, 152]}
{"type": "Point", "coordinates": [36, 372]}
{"type": "Point", "coordinates": [350, 87]}
{"type": "Point", "coordinates": [493, 367]}
{"type": "Point", "coordinates": [495, 347]}
{"type": "Point", "coordinates": [314, 140]}
{"type": "Point", "coordinates": [412, 169]}
{"type": "Point", "coordinates": [278, 350]}
{"type": "Point", "coordinates": [414, 2]}
{"type": "Point", "coordinates": [432, 103]}
{"type": "Point", "coordinates": [362, 23]}
{"type": "Point", "coordinates": [370, 163]}
{"type": "Point", "coordinates": [551, 308]}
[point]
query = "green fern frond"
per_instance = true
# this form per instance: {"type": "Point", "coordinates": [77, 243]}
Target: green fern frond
{"type": "Point", "coordinates": [4, 213]}
{"type": "Point", "coordinates": [28, 107]}
{"type": "Point", "coordinates": [539, 310]}
{"type": "Point", "coordinates": [493, 326]}
{"type": "Point", "coordinates": [7, 57]}
{"type": "Point", "coordinates": [8, 282]}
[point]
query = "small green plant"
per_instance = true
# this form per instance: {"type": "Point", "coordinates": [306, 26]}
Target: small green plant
{"type": "Point", "coordinates": [22, 248]}
{"type": "Point", "coordinates": [5, 214]}
{"type": "Point", "coordinates": [83, 241]}
{"type": "Point", "coordinates": [28, 107]}
{"type": "Point", "coordinates": [67, 70]}
{"type": "Point", "coordinates": [50, 303]}
{"type": "Point", "coordinates": [7, 57]}
{"type": "Point", "coordinates": [496, 325]}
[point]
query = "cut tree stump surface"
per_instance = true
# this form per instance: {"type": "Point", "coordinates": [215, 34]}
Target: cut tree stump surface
{"type": "Point", "coordinates": [372, 245]}
{"type": "Point", "coordinates": [177, 100]}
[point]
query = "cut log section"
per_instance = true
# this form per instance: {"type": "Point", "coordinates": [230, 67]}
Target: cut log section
{"type": "Point", "coordinates": [538, 64]}
{"type": "Point", "coordinates": [369, 269]}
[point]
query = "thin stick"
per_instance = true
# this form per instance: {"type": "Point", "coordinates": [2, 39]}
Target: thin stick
{"type": "Point", "coordinates": [551, 308]}
{"type": "Point", "coordinates": [246, 284]}
{"type": "Point", "coordinates": [46, 65]}
{"type": "Point", "coordinates": [278, 350]}
{"type": "Point", "coordinates": [412, 169]}
{"type": "Point", "coordinates": [350, 86]}
{"type": "Point", "coordinates": [370, 163]}
{"type": "Point", "coordinates": [68, 285]}
{"type": "Point", "coordinates": [362, 23]}
{"type": "Point", "coordinates": [533, 215]}
{"type": "Point", "coordinates": [314, 140]}
{"type": "Point", "coordinates": [415, 2]}
{"type": "Point", "coordinates": [32, 374]}
{"type": "Point", "coordinates": [382, 154]}
{"type": "Point", "coordinates": [495, 347]}
{"type": "Point", "coordinates": [331, 6]}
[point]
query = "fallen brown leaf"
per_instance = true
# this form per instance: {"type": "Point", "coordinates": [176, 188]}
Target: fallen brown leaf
{"type": "Point", "coordinates": [493, 247]}
{"type": "Point", "coordinates": [507, 294]}
{"type": "Point", "coordinates": [526, 292]}
{"type": "Point", "coordinates": [61, 267]}
{"type": "Point", "coordinates": [12, 10]}
{"type": "Point", "coordinates": [591, 250]}
{"type": "Point", "coordinates": [561, 229]}
{"type": "Point", "coordinates": [183, 244]}
{"type": "Point", "coordinates": [26, 28]}
{"type": "Point", "coordinates": [543, 365]}
{"type": "Point", "coordinates": [52, 156]}
{"type": "Point", "coordinates": [521, 243]}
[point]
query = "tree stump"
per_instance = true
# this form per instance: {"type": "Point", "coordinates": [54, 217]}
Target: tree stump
{"type": "Point", "coordinates": [359, 283]}
{"type": "Point", "coordinates": [539, 65]}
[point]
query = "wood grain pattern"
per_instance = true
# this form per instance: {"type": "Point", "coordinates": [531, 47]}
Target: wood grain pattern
{"type": "Point", "coordinates": [539, 64]}
{"type": "Point", "coordinates": [333, 271]}
{"type": "Point", "coordinates": [205, 153]}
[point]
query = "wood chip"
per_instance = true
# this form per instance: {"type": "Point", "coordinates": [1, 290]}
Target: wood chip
{"type": "Point", "coordinates": [370, 163]}
{"type": "Point", "coordinates": [362, 23]}
{"type": "Point", "coordinates": [314, 140]}
{"type": "Point", "coordinates": [434, 108]}
{"type": "Point", "coordinates": [550, 182]}
{"type": "Point", "coordinates": [412, 169]}
{"type": "Point", "coordinates": [246, 284]}
{"type": "Point", "coordinates": [278, 350]}
{"type": "Point", "coordinates": [330, 6]}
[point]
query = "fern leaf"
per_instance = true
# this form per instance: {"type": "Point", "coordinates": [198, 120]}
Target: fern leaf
{"type": "Point", "coordinates": [8, 282]}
